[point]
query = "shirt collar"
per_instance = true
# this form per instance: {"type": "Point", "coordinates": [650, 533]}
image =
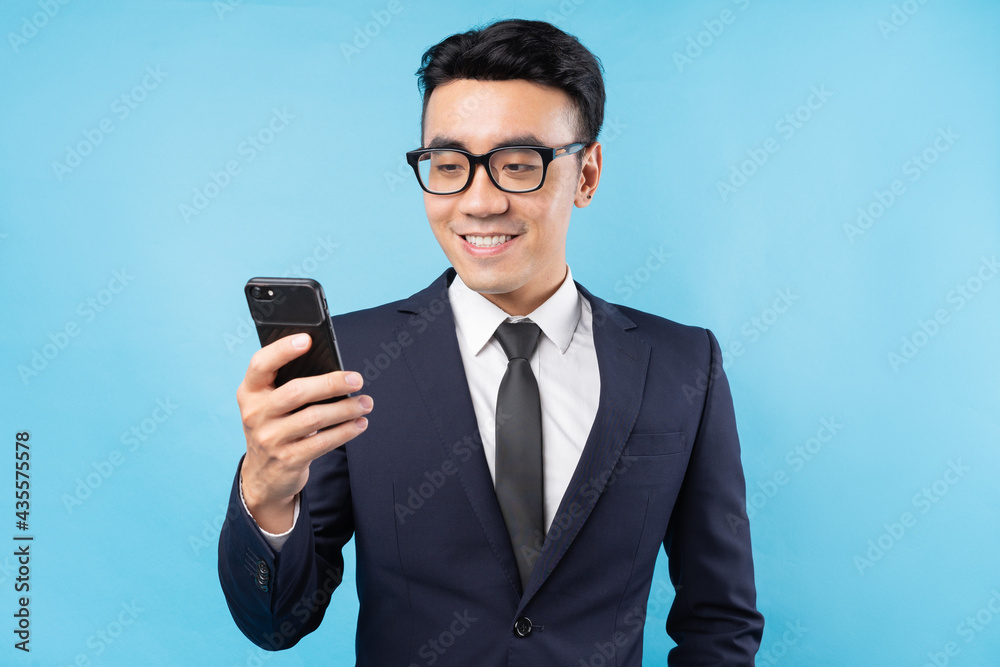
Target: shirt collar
{"type": "Point", "coordinates": [477, 318]}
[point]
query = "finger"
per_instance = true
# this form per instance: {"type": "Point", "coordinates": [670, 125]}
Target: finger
{"type": "Point", "coordinates": [317, 445]}
{"type": "Point", "coordinates": [298, 392]}
{"type": "Point", "coordinates": [314, 418]}
{"type": "Point", "coordinates": [267, 360]}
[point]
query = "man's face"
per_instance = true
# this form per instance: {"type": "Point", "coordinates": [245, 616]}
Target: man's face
{"type": "Point", "coordinates": [478, 116]}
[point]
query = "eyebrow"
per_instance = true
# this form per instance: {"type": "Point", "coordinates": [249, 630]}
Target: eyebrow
{"type": "Point", "coordinates": [519, 140]}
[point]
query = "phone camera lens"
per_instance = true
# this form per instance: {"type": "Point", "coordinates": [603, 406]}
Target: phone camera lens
{"type": "Point", "coordinates": [255, 291]}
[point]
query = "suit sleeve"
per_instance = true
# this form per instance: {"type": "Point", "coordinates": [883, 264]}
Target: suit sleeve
{"type": "Point", "coordinates": [278, 597]}
{"type": "Point", "coordinates": [714, 618]}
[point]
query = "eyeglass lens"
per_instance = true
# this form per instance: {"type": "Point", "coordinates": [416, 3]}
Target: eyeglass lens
{"type": "Point", "coordinates": [514, 169]}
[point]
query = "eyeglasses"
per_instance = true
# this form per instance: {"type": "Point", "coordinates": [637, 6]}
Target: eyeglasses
{"type": "Point", "coordinates": [448, 171]}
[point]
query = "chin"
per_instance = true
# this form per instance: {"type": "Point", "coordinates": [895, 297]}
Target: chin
{"type": "Point", "coordinates": [486, 283]}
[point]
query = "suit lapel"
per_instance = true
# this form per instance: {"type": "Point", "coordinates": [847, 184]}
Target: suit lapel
{"type": "Point", "coordinates": [435, 363]}
{"type": "Point", "coordinates": [622, 358]}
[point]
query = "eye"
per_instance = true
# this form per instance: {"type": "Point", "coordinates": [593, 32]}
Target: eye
{"type": "Point", "coordinates": [518, 164]}
{"type": "Point", "coordinates": [448, 164]}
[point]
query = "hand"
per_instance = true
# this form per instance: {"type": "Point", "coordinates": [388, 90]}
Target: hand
{"type": "Point", "coordinates": [281, 443]}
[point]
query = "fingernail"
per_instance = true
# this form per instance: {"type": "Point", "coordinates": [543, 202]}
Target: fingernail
{"type": "Point", "coordinates": [361, 423]}
{"type": "Point", "coordinates": [354, 379]}
{"type": "Point", "coordinates": [300, 341]}
{"type": "Point", "coordinates": [365, 402]}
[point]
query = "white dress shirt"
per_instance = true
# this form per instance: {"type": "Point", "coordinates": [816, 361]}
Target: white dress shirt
{"type": "Point", "coordinates": [565, 367]}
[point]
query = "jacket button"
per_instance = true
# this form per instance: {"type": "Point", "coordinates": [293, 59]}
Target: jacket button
{"type": "Point", "coordinates": [522, 626]}
{"type": "Point", "coordinates": [263, 575]}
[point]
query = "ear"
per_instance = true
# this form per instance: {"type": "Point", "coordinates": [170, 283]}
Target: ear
{"type": "Point", "coordinates": [590, 175]}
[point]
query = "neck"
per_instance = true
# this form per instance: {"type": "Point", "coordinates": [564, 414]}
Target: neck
{"type": "Point", "coordinates": [528, 298]}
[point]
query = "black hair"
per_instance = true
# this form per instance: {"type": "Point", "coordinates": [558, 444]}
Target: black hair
{"type": "Point", "coordinates": [535, 51]}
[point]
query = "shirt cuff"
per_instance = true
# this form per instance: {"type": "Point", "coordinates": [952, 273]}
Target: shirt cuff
{"type": "Point", "coordinates": [275, 540]}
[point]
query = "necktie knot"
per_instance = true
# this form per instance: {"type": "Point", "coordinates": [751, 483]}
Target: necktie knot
{"type": "Point", "coordinates": [518, 339]}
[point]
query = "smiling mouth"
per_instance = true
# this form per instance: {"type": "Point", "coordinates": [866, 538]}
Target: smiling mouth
{"type": "Point", "coordinates": [487, 241]}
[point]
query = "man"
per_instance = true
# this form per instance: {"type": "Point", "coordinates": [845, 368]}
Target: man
{"type": "Point", "coordinates": [534, 445]}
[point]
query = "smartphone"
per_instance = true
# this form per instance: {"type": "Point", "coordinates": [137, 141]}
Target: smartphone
{"type": "Point", "coordinates": [284, 306]}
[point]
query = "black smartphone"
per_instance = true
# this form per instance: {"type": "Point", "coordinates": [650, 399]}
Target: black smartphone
{"type": "Point", "coordinates": [284, 306]}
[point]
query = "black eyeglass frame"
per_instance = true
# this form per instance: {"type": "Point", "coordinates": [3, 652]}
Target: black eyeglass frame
{"type": "Point", "coordinates": [547, 154]}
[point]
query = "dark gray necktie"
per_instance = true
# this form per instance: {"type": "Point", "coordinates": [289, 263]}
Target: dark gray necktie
{"type": "Point", "coordinates": [519, 445]}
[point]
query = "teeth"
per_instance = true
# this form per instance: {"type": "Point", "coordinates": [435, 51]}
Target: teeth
{"type": "Point", "coordinates": [487, 241]}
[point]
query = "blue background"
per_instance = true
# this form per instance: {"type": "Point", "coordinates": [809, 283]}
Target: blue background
{"type": "Point", "coordinates": [844, 576]}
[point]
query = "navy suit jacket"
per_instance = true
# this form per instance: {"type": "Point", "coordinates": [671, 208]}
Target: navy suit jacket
{"type": "Point", "coordinates": [436, 575]}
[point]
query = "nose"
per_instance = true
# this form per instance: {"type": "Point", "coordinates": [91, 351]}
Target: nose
{"type": "Point", "coordinates": [482, 199]}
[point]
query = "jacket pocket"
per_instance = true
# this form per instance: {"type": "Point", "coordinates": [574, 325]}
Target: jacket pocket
{"type": "Point", "coordinates": [655, 444]}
